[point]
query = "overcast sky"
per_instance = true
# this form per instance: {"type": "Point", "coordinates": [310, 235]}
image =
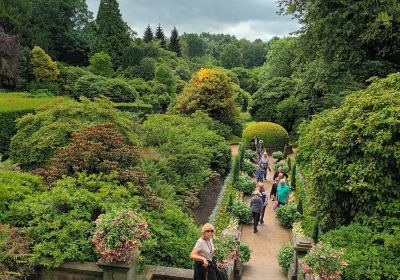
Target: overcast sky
{"type": "Point", "coordinates": [250, 19]}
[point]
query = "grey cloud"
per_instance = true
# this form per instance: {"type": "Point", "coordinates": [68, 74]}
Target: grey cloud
{"type": "Point", "coordinates": [249, 19]}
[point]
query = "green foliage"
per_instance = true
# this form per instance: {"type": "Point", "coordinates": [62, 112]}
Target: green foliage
{"type": "Point", "coordinates": [236, 169]}
{"type": "Point", "coordinates": [68, 77]}
{"type": "Point", "coordinates": [244, 252]}
{"type": "Point", "coordinates": [287, 214]}
{"type": "Point", "coordinates": [192, 45]}
{"type": "Point", "coordinates": [299, 205]}
{"type": "Point", "coordinates": [211, 91]}
{"type": "Point", "coordinates": [13, 106]}
{"type": "Point", "coordinates": [138, 108]}
{"type": "Point", "coordinates": [101, 64]}
{"type": "Point", "coordinates": [172, 237]}
{"type": "Point", "coordinates": [250, 155]}
{"type": "Point", "coordinates": [242, 212]}
{"type": "Point", "coordinates": [248, 168]}
{"type": "Point", "coordinates": [14, 187]}
{"type": "Point", "coordinates": [112, 33]}
{"type": "Point", "coordinates": [315, 235]}
{"type": "Point", "coordinates": [245, 184]}
{"type": "Point", "coordinates": [273, 135]}
{"type": "Point", "coordinates": [40, 135]}
{"type": "Point", "coordinates": [224, 247]}
{"type": "Point", "coordinates": [285, 256]}
{"type": "Point", "coordinates": [357, 143]}
{"type": "Point", "coordinates": [191, 149]}
{"type": "Point", "coordinates": [277, 155]}
{"type": "Point", "coordinates": [160, 37]}
{"type": "Point", "coordinates": [44, 68]}
{"type": "Point", "coordinates": [293, 182]}
{"type": "Point", "coordinates": [174, 45]}
{"type": "Point", "coordinates": [231, 56]}
{"type": "Point", "coordinates": [369, 255]}
{"type": "Point", "coordinates": [166, 76]}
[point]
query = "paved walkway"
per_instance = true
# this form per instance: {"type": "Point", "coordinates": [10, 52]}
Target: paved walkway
{"type": "Point", "coordinates": [265, 244]}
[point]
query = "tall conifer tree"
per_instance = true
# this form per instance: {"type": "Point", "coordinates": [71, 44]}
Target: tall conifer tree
{"type": "Point", "coordinates": [148, 34]}
{"type": "Point", "coordinates": [174, 45]}
{"type": "Point", "coordinates": [113, 32]}
{"type": "Point", "coordinates": [161, 37]}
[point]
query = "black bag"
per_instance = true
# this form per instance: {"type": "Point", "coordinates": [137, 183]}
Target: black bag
{"type": "Point", "coordinates": [222, 274]}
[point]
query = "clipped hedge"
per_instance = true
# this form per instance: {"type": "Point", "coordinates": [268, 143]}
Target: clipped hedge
{"type": "Point", "coordinates": [12, 107]}
{"type": "Point", "coordinates": [272, 134]}
{"type": "Point", "coordinates": [141, 109]}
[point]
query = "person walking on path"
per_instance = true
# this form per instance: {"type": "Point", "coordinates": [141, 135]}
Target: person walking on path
{"type": "Point", "coordinates": [260, 174]}
{"type": "Point", "coordinates": [283, 192]}
{"type": "Point", "coordinates": [264, 163]}
{"type": "Point", "coordinates": [274, 189]}
{"type": "Point", "coordinates": [205, 268]}
{"type": "Point", "coordinates": [259, 148]}
{"type": "Point", "coordinates": [279, 171]}
{"type": "Point", "coordinates": [256, 205]}
{"type": "Point", "coordinates": [264, 199]}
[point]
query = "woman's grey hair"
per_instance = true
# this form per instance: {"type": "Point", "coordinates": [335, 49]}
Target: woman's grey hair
{"type": "Point", "coordinates": [282, 180]}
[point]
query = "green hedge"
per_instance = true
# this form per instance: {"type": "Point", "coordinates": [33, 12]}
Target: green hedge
{"type": "Point", "coordinates": [272, 134]}
{"type": "Point", "coordinates": [141, 109]}
{"type": "Point", "coordinates": [12, 107]}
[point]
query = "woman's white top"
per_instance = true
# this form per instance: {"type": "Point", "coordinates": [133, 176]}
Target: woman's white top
{"type": "Point", "coordinates": [205, 248]}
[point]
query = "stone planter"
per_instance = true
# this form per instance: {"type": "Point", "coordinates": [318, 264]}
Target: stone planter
{"type": "Point", "coordinates": [113, 271]}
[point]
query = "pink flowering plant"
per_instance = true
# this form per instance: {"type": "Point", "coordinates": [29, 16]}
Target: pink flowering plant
{"type": "Point", "coordinates": [119, 235]}
{"type": "Point", "coordinates": [324, 262]}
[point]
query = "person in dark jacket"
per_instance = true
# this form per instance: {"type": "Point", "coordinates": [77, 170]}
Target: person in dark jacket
{"type": "Point", "coordinates": [280, 170]}
{"type": "Point", "coordinates": [256, 206]}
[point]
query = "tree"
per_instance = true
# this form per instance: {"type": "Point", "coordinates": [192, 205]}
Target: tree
{"type": "Point", "coordinates": [148, 34]}
{"type": "Point", "coordinates": [193, 45]}
{"type": "Point", "coordinates": [253, 52]}
{"type": "Point", "coordinates": [280, 58]}
{"type": "Point", "coordinates": [174, 45]}
{"type": "Point", "coordinates": [231, 56]}
{"type": "Point", "coordinates": [9, 61]}
{"type": "Point", "coordinates": [165, 75]}
{"type": "Point", "coordinates": [210, 91]}
{"type": "Point", "coordinates": [356, 163]}
{"type": "Point", "coordinates": [15, 16]}
{"type": "Point", "coordinates": [44, 68]}
{"type": "Point", "coordinates": [101, 64]}
{"type": "Point", "coordinates": [161, 37]}
{"type": "Point", "coordinates": [113, 34]}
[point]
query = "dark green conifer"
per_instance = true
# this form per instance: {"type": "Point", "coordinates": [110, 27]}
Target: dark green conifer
{"type": "Point", "coordinates": [113, 34]}
{"type": "Point", "coordinates": [148, 34]}
{"type": "Point", "coordinates": [174, 45]}
{"type": "Point", "coordinates": [161, 37]}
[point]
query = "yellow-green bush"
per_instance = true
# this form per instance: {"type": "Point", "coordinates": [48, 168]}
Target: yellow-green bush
{"type": "Point", "coordinates": [44, 68]}
{"type": "Point", "coordinates": [272, 134]}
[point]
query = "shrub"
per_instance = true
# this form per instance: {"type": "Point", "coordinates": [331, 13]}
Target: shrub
{"type": "Point", "coordinates": [285, 256]}
{"type": "Point", "coordinates": [242, 212]}
{"type": "Point", "coordinates": [166, 76]}
{"type": "Point", "coordinates": [119, 91]}
{"type": "Point", "coordinates": [357, 143]}
{"type": "Point", "coordinates": [173, 235]}
{"type": "Point", "coordinates": [324, 261]}
{"type": "Point", "coordinates": [273, 135]}
{"type": "Point", "coordinates": [138, 108]}
{"type": "Point", "coordinates": [225, 248]}
{"type": "Point", "coordinates": [97, 149]}
{"type": "Point", "coordinates": [14, 248]}
{"type": "Point", "coordinates": [248, 168]}
{"type": "Point", "coordinates": [370, 255]}
{"type": "Point", "coordinates": [211, 91]}
{"type": "Point", "coordinates": [250, 154]}
{"type": "Point", "coordinates": [287, 214]}
{"type": "Point", "coordinates": [245, 184]}
{"type": "Point", "coordinates": [101, 64]}
{"type": "Point", "coordinates": [40, 135]}
{"type": "Point", "coordinates": [43, 67]}
{"type": "Point", "coordinates": [68, 77]}
{"type": "Point", "coordinates": [277, 155]}
{"type": "Point", "coordinates": [118, 236]}
{"type": "Point", "coordinates": [244, 252]}
{"type": "Point", "coordinates": [236, 169]}
{"type": "Point", "coordinates": [12, 107]}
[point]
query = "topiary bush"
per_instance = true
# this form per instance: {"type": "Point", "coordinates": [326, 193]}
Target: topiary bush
{"type": "Point", "coordinates": [250, 154]}
{"type": "Point", "coordinates": [287, 214]}
{"type": "Point", "coordinates": [244, 252]}
{"type": "Point", "coordinates": [285, 256]}
{"type": "Point", "coordinates": [242, 212]}
{"type": "Point", "coordinates": [272, 134]}
{"type": "Point", "coordinates": [282, 164]}
{"type": "Point", "coordinates": [245, 184]}
{"type": "Point", "coordinates": [277, 155]}
{"type": "Point", "coordinates": [248, 168]}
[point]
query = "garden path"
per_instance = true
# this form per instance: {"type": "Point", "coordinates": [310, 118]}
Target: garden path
{"type": "Point", "coordinates": [265, 244]}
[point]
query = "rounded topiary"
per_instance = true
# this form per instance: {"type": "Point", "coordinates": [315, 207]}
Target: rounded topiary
{"type": "Point", "coordinates": [272, 134]}
{"type": "Point", "coordinates": [248, 168]}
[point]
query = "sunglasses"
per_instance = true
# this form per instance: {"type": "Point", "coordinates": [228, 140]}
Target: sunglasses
{"type": "Point", "coordinates": [209, 230]}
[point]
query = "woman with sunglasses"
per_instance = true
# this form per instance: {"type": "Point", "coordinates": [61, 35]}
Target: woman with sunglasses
{"type": "Point", "coordinates": [202, 254]}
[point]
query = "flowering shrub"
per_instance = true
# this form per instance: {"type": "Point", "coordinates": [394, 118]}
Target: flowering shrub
{"type": "Point", "coordinates": [325, 261]}
{"type": "Point", "coordinates": [287, 214]}
{"type": "Point", "coordinates": [118, 235]}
